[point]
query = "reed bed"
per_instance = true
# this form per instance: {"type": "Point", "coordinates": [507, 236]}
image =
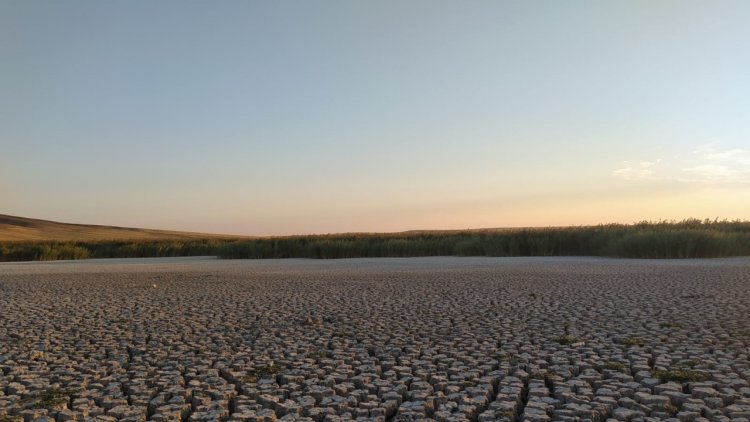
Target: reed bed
{"type": "Point", "coordinates": [690, 238]}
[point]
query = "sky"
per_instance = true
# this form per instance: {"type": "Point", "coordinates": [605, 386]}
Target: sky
{"type": "Point", "coordinates": [291, 117]}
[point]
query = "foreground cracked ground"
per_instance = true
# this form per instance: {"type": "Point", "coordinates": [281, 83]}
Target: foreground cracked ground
{"type": "Point", "coordinates": [445, 339]}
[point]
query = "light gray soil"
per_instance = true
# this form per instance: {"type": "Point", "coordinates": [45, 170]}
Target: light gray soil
{"type": "Point", "coordinates": [446, 339]}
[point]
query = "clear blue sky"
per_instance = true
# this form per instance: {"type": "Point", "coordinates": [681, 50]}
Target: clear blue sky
{"type": "Point", "coordinates": [297, 117]}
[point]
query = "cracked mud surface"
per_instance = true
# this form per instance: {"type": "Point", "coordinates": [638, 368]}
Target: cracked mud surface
{"type": "Point", "coordinates": [445, 339]}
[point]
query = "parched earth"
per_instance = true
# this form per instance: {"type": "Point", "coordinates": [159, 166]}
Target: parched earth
{"type": "Point", "coordinates": [444, 339]}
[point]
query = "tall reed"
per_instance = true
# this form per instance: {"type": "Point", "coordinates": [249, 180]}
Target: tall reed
{"type": "Point", "coordinates": [690, 238]}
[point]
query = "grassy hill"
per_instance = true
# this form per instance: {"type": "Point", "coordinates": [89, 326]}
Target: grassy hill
{"type": "Point", "coordinates": [21, 229]}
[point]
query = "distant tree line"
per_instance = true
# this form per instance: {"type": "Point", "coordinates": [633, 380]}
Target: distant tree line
{"type": "Point", "coordinates": [690, 238]}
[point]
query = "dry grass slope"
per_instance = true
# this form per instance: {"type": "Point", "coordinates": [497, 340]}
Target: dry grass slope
{"type": "Point", "coordinates": [21, 229]}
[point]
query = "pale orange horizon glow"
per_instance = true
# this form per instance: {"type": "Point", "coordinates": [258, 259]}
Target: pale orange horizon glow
{"type": "Point", "coordinates": [275, 119]}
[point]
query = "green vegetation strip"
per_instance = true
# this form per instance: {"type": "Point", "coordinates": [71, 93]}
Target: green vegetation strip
{"type": "Point", "coordinates": [686, 239]}
{"type": "Point", "coordinates": [632, 341]}
{"type": "Point", "coordinates": [261, 372]}
{"type": "Point", "coordinates": [680, 376]}
{"type": "Point", "coordinates": [52, 397]}
{"type": "Point", "coordinates": [566, 340]}
{"type": "Point", "coordinates": [614, 366]}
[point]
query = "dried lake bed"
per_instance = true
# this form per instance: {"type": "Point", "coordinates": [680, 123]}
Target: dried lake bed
{"type": "Point", "coordinates": [444, 339]}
